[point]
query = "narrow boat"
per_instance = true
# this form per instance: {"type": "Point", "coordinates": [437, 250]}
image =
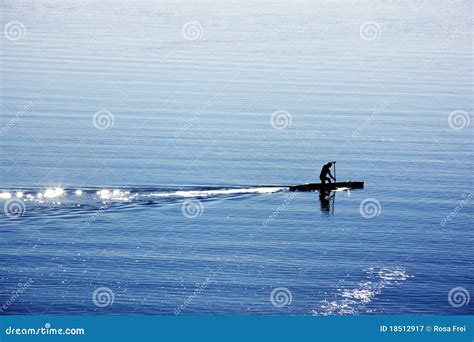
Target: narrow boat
{"type": "Point", "coordinates": [327, 186]}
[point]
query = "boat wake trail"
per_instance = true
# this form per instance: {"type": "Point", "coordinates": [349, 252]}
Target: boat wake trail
{"type": "Point", "coordinates": [95, 197]}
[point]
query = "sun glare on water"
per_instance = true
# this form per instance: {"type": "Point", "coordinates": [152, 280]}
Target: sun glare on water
{"type": "Point", "coordinates": [53, 193]}
{"type": "Point", "coordinates": [5, 195]}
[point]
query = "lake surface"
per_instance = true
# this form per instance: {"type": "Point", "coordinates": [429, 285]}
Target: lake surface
{"type": "Point", "coordinates": [182, 125]}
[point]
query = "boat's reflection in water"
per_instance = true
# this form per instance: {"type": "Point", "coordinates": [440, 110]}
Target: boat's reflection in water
{"type": "Point", "coordinates": [327, 199]}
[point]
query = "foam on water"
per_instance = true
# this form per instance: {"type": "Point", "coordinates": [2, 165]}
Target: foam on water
{"type": "Point", "coordinates": [342, 189]}
{"type": "Point", "coordinates": [91, 196]}
{"type": "Point", "coordinates": [217, 192]}
{"type": "Point", "coordinates": [354, 300]}
{"type": "Point", "coordinates": [5, 195]}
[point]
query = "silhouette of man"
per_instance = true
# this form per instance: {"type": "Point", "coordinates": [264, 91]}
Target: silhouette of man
{"type": "Point", "coordinates": [325, 172]}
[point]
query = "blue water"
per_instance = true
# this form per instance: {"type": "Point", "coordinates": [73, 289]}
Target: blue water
{"type": "Point", "coordinates": [184, 206]}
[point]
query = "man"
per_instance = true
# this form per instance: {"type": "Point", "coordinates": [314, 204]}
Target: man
{"type": "Point", "coordinates": [325, 172]}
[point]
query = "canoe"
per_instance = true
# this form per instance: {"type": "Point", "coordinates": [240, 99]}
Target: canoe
{"type": "Point", "coordinates": [327, 186]}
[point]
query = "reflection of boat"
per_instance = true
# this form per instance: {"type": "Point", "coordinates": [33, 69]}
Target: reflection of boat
{"type": "Point", "coordinates": [327, 186]}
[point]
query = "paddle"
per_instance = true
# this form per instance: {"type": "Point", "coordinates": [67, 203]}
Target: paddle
{"type": "Point", "coordinates": [334, 171]}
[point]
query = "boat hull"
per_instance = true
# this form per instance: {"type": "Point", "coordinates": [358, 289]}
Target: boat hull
{"type": "Point", "coordinates": [327, 186]}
